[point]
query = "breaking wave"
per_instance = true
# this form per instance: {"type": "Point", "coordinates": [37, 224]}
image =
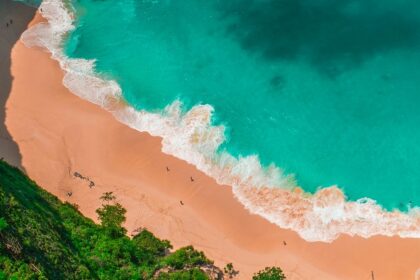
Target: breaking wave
{"type": "Point", "coordinates": [190, 136]}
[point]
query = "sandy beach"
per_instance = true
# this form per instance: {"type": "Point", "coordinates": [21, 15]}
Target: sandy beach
{"type": "Point", "coordinates": [14, 18]}
{"type": "Point", "coordinates": [58, 134]}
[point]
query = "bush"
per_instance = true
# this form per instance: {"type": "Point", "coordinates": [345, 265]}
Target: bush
{"type": "Point", "coordinates": [269, 273]}
{"type": "Point", "coordinates": [192, 274]}
{"type": "Point", "coordinates": [230, 271]}
{"type": "Point", "coordinates": [186, 257]}
{"type": "Point", "coordinates": [42, 238]}
{"type": "Point", "coordinates": [112, 217]}
{"type": "Point", "coordinates": [147, 246]}
{"type": "Point", "coordinates": [3, 224]}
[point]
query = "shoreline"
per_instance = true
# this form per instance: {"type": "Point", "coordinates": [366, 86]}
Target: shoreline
{"type": "Point", "coordinates": [190, 136]}
{"type": "Point", "coordinates": [59, 134]}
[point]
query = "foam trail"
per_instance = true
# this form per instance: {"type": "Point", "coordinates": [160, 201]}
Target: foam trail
{"type": "Point", "coordinates": [190, 136]}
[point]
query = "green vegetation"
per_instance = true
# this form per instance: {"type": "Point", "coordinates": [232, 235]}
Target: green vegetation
{"type": "Point", "coordinates": [269, 273]}
{"type": "Point", "coordinates": [230, 271]}
{"type": "Point", "coordinates": [43, 238]}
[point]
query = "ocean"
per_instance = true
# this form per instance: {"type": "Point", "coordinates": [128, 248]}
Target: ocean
{"type": "Point", "coordinates": [278, 94]}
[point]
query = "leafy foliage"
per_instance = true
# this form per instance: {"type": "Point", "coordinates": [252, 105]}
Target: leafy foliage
{"type": "Point", "coordinates": [230, 271]}
{"type": "Point", "coordinates": [108, 196]}
{"type": "Point", "coordinates": [269, 273]}
{"type": "Point", "coordinates": [186, 257]}
{"type": "Point", "coordinates": [3, 224]}
{"type": "Point", "coordinates": [43, 238]}
{"type": "Point", "coordinates": [148, 246]}
{"type": "Point", "coordinates": [112, 217]}
{"type": "Point", "coordinates": [194, 273]}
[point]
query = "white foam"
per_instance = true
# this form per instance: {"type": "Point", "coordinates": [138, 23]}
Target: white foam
{"type": "Point", "coordinates": [190, 136]}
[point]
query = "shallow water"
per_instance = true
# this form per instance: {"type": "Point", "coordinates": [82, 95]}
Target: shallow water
{"type": "Point", "coordinates": [327, 91]}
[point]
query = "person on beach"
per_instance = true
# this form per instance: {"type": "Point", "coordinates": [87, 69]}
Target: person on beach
{"type": "Point", "coordinates": [192, 179]}
{"type": "Point", "coordinates": [167, 169]}
{"type": "Point", "coordinates": [181, 202]}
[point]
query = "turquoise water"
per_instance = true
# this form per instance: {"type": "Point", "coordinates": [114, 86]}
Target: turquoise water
{"type": "Point", "coordinates": [327, 89]}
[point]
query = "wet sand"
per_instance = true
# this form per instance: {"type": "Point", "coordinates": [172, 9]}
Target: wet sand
{"type": "Point", "coordinates": [59, 134]}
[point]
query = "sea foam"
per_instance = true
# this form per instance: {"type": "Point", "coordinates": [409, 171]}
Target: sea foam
{"type": "Point", "coordinates": [190, 136]}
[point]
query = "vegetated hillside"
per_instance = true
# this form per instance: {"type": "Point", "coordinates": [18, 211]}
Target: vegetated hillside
{"type": "Point", "coordinates": [43, 238]}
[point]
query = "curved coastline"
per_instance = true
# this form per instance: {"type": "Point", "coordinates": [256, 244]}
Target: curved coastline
{"type": "Point", "coordinates": [191, 137]}
{"type": "Point", "coordinates": [59, 134]}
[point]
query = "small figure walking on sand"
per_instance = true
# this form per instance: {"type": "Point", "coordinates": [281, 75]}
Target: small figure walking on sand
{"type": "Point", "coordinates": [11, 21]}
{"type": "Point", "coordinates": [91, 184]}
{"type": "Point", "coordinates": [181, 202]}
{"type": "Point", "coordinates": [7, 24]}
{"type": "Point", "coordinates": [192, 179]}
{"type": "Point", "coordinates": [284, 243]}
{"type": "Point", "coordinates": [69, 194]}
{"type": "Point", "coordinates": [167, 169]}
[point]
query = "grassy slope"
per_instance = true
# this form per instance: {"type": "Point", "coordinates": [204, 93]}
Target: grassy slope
{"type": "Point", "coordinates": [42, 238]}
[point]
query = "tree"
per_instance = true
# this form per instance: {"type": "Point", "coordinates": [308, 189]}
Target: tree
{"type": "Point", "coordinates": [107, 197]}
{"type": "Point", "coordinates": [148, 246]}
{"type": "Point", "coordinates": [269, 273]}
{"type": "Point", "coordinates": [230, 271]}
{"type": "Point", "coordinates": [42, 238]}
{"type": "Point", "coordinates": [186, 256]}
{"type": "Point", "coordinates": [112, 217]}
{"type": "Point", "coordinates": [190, 274]}
{"type": "Point", "coordinates": [3, 224]}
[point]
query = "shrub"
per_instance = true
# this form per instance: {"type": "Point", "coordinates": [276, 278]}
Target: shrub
{"type": "Point", "coordinates": [112, 217]}
{"type": "Point", "coordinates": [42, 238]}
{"type": "Point", "coordinates": [186, 256]}
{"type": "Point", "coordinates": [230, 271]}
{"type": "Point", "coordinates": [3, 224]}
{"type": "Point", "coordinates": [147, 246]}
{"type": "Point", "coordinates": [269, 273]}
{"type": "Point", "coordinates": [191, 274]}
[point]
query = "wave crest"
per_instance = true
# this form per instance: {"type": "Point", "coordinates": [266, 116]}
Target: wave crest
{"type": "Point", "coordinates": [190, 136]}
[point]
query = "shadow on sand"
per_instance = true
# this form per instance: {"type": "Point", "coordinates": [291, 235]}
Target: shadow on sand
{"type": "Point", "coordinates": [14, 18]}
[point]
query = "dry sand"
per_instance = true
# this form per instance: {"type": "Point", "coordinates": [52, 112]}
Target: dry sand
{"type": "Point", "coordinates": [14, 19]}
{"type": "Point", "coordinates": [59, 134]}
